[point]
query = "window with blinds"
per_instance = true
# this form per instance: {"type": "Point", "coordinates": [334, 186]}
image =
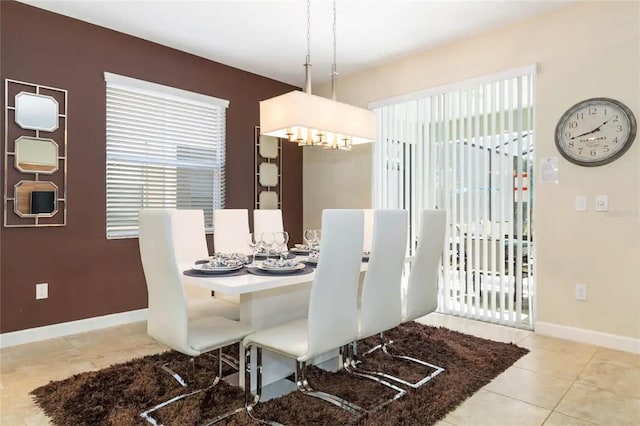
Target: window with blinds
{"type": "Point", "coordinates": [468, 148]}
{"type": "Point", "coordinates": [165, 149]}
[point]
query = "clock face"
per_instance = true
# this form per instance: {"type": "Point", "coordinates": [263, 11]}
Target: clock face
{"type": "Point", "coordinates": [595, 132]}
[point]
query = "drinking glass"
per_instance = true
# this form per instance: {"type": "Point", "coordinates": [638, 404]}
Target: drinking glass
{"type": "Point", "coordinates": [310, 238]}
{"type": "Point", "coordinates": [254, 241]}
{"type": "Point", "coordinates": [267, 239]}
{"type": "Point", "coordinates": [282, 238]}
{"type": "Point", "coordinates": [318, 238]}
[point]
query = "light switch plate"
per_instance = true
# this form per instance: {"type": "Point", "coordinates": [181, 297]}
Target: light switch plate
{"type": "Point", "coordinates": [602, 203]}
{"type": "Point", "coordinates": [581, 203]}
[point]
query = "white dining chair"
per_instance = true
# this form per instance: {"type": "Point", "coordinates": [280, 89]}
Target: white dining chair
{"type": "Point", "coordinates": [167, 318]}
{"type": "Point", "coordinates": [230, 235]}
{"type": "Point", "coordinates": [190, 245]}
{"type": "Point", "coordinates": [381, 297]}
{"type": "Point", "coordinates": [332, 317]}
{"type": "Point", "coordinates": [267, 221]}
{"type": "Point", "coordinates": [368, 230]}
{"type": "Point", "coordinates": [422, 288]}
{"type": "Point", "coordinates": [231, 231]}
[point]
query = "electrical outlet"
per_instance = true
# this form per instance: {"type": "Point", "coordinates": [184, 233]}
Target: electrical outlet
{"type": "Point", "coordinates": [42, 291]}
{"type": "Point", "coordinates": [602, 203]}
{"type": "Point", "coordinates": [581, 291]}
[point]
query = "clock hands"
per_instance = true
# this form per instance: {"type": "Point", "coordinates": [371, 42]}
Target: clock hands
{"type": "Point", "coordinates": [597, 129]}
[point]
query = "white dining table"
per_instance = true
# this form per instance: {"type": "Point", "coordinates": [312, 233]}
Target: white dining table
{"type": "Point", "coordinates": [266, 301]}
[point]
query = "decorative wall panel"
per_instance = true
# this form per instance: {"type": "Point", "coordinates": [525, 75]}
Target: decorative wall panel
{"type": "Point", "coordinates": [268, 163]}
{"type": "Point", "coordinates": [35, 160]}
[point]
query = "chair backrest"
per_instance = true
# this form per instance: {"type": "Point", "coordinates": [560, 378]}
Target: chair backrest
{"type": "Point", "coordinates": [189, 237]}
{"type": "Point", "coordinates": [333, 303]}
{"type": "Point", "coordinates": [167, 319]}
{"type": "Point", "coordinates": [381, 299]}
{"type": "Point", "coordinates": [368, 230]}
{"type": "Point", "coordinates": [267, 221]}
{"type": "Point", "coordinates": [231, 231]}
{"type": "Point", "coordinates": [422, 289]}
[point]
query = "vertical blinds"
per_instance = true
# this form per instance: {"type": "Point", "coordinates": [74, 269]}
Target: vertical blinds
{"type": "Point", "coordinates": [165, 149]}
{"type": "Point", "coordinates": [467, 148]}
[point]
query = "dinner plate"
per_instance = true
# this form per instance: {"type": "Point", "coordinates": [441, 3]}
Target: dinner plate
{"type": "Point", "coordinates": [208, 269]}
{"type": "Point", "coordinates": [283, 269]}
{"type": "Point", "coordinates": [299, 250]}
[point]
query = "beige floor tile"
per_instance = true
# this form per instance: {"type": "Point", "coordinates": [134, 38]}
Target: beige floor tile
{"type": "Point", "coordinates": [614, 376]}
{"type": "Point", "coordinates": [529, 386]}
{"type": "Point", "coordinates": [115, 345]}
{"type": "Point", "coordinates": [12, 419]}
{"type": "Point", "coordinates": [36, 417]}
{"type": "Point", "coordinates": [490, 409]}
{"type": "Point", "coordinates": [46, 351]}
{"type": "Point", "coordinates": [600, 406]}
{"type": "Point", "coordinates": [552, 363]}
{"type": "Point", "coordinates": [618, 356]}
{"type": "Point", "coordinates": [537, 341]}
{"type": "Point", "coordinates": [557, 419]}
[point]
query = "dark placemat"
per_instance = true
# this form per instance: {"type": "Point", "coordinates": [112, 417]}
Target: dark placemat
{"type": "Point", "coordinates": [200, 274]}
{"type": "Point", "coordinates": [273, 256]}
{"type": "Point", "coordinates": [256, 271]}
{"type": "Point", "coordinates": [299, 252]}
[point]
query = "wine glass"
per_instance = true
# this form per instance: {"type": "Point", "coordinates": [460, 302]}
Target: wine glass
{"type": "Point", "coordinates": [282, 238]}
{"type": "Point", "coordinates": [267, 239]}
{"type": "Point", "coordinates": [318, 238]}
{"type": "Point", "coordinates": [253, 240]}
{"type": "Point", "coordinates": [310, 238]}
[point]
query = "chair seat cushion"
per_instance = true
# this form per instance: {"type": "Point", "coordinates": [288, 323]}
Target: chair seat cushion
{"type": "Point", "coordinates": [209, 333]}
{"type": "Point", "coordinates": [213, 307]}
{"type": "Point", "coordinates": [289, 339]}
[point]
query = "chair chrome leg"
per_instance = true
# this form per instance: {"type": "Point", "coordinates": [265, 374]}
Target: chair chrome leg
{"type": "Point", "coordinates": [304, 387]}
{"type": "Point", "coordinates": [384, 346]}
{"type": "Point", "coordinates": [227, 359]}
{"type": "Point", "coordinates": [231, 362]}
{"type": "Point", "coordinates": [350, 367]}
{"type": "Point", "coordinates": [250, 399]}
{"type": "Point", "coordinates": [437, 370]}
{"type": "Point", "coordinates": [147, 415]}
{"type": "Point", "coordinates": [175, 375]}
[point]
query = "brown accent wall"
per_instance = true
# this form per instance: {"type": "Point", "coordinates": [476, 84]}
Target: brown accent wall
{"type": "Point", "coordinates": [89, 275]}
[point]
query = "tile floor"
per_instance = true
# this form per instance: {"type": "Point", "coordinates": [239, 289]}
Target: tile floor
{"type": "Point", "coordinates": [558, 383]}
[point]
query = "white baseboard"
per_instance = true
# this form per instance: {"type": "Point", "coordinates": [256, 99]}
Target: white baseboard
{"type": "Point", "coordinates": [72, 327]}
{"type": "Point", "coordinates": [598, 338]}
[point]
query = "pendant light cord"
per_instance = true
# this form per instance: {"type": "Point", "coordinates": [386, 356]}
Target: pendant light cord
{"type": "Point", "coordinates": [334, 68]}
{"type": "Point", "coordinates": [307, 65]}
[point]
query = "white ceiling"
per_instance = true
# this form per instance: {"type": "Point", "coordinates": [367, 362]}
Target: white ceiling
{"type": "Point", "coordinates": [268, 37]}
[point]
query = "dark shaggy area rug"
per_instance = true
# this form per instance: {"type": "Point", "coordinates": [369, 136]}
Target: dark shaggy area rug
{"type": "Point", "coordinates": [118, 394]}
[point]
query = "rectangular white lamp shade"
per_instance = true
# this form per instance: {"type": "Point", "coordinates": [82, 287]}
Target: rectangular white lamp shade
{"type": "Point", "coordinates": [293, 114]}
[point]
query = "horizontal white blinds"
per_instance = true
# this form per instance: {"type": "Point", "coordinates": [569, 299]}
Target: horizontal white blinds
{"type": "Point", "coordinates": [162, 151]}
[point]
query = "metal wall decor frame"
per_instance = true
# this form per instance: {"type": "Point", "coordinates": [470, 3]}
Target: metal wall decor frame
{"type": "Point", "coordinates": [258, 160]}
{"type": "Point", "coordinates": [10, 196]}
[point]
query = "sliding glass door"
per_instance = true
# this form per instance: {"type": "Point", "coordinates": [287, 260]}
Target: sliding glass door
{"type": "Point", "coordinates": [468, 148]}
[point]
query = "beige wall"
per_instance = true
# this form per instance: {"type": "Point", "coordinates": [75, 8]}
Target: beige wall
{"type": "Point", "coordinates": [585, 50]}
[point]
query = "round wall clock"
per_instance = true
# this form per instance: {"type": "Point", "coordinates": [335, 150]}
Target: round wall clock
{"type": "Point", "coordinates": [595, 132]}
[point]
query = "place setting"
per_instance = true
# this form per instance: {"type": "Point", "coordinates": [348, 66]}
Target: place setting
{"type": "Point", "coordinates": [279, 267]}
{"type": "Point", "coordinates": [232, 264]}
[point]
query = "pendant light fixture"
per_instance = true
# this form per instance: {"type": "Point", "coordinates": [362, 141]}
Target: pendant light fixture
{"type": "Point", "coordinates": [314, 120]}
